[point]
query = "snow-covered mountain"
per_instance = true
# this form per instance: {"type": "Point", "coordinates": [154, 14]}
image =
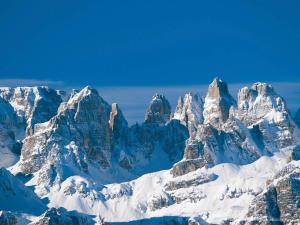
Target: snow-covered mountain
{"type": "Point", "coordinates": [216, 160]}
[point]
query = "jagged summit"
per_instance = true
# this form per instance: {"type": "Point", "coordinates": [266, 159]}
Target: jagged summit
{"type": "Point", "coordinates": [256, 102]}
{"type": "Point", "coordinates": [189, 111]}
{"type": "Point", "coordinates": [77, 96]}
{"type": "Point", "coordinates": [218, 89]}
{"type": "Point", "coordinates": [32, 104]}
{"type": "Point", "coordinates": [259, 124]}
{"type": "Point", "coordinates": [217, 103]}
{"type": "Point", "coordinates": [117, 122]}
{"type": "Point", "coordinates": [159, 110]}
{"type": "Point", "coordinates": [81, 126]}
{"type": "Point", "coordinates": [263, 89]}
{"type": "Point", "coordinates": [204, 161]}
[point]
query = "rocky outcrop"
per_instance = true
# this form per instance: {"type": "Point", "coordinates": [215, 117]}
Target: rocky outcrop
{"type": "Point", "coordinates": [32, 104]}
{"type": "Point", "coordinates": [256, 102]}
{"type": "Point", "coordinates": [211, 146]}
{"type": "Point", "coordinates": [159, 110]}
{"type": "Point", "coordinates": [259, 125]}
{"type": "Point", "coordinates": [80, 132]}
{"type": "Point", "coordinates": [88, 131]}
{"type": "Point", "coordinates": [9, 128]}
{"type": "Point", "coordinates": [142, 145]}
{"type": "Point", "coordinates": [61, 216]}
{"type": "Point", "coordinates": [189, 111]}
{"type": "Point", "coordinates": [118, 123]}
{"type": "Point", "coordinates": [263, 111]}
{"type": "Point", "coordinates": [150, 141]}
{"type": "Point", "coordinates": [217, 103]}
{"type": "Point", "coordinates": [280, 204]}
{"type": "Point", "coordinates": [159, 201]}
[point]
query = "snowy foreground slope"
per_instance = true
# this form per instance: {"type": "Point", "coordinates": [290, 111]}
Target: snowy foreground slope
{"type": "Point", "coordinates": [73, 159]}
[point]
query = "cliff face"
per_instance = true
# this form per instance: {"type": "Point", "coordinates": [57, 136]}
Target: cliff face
{"type": "Point", "coordinates": [80, 128]}
{"type": "Point", "coordinates": [189, 111]}
{"type": "Point", "coordinates": [279, 204]}
{"type": "Point", "coordinates": [259, 124]}
{"type": "Point", "coordinates": [159, 110]}
{"type": "Point", "coordinates": [87, 134]}
{"type": "Point", "coordinates": [9, 129]}
{"type": "Point", "coordinates": [217, 103]}
{"type": "Point", "coordinates": [32, 104]}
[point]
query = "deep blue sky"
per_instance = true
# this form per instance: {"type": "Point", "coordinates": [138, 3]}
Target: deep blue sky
{"type": "Point", "coordinates": [125, 43]}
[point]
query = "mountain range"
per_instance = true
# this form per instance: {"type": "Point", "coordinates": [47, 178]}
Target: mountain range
{"type": "Point", "coordinates": [72, 158]}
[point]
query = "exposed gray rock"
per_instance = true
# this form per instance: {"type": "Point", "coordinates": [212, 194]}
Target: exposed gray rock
{"type": "Point", "coordinates": [159, 110]}
{"type": "Point", "coordinates": [88, 131]}
{"type": "Point", "coordinates": [211, 146]}
{"type": "Point", "coordinates": [280, 204]}
{"type": "Point", "coordinates": [217, 103]}
{"type": "Point", "coordinates": [159, 201]}
{"type": "Point", "coordinates": [32, 104]}
{"type": "Point", "coordinates": [80, 128]}
{"type": "Point", "coordinates": [189, 111]}
{"type": "Point", "coordinates": [150, 138]}
{"type": "Point", "coordinates": [118, 123]}
{"type": "Point", "coordinates": [9, 128]}
{"type": "Point", "coordinates": [185, 183]}
{"type": "Point", "coordinates": [61, 216]}
{"type": "Point", "coordinates": [260, 125]}
{"type": "Point", "coordinates": [263, 110]}
{"type": "Point", "coordinates": [197, 221]}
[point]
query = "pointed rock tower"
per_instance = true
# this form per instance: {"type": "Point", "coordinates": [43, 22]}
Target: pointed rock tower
{"type": "Point", "coordinates": [217, 103]}
{"type": "Point", "coordinates": [159, 110]}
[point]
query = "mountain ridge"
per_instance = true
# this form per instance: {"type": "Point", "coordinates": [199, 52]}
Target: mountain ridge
{"type": "Point", "coordinates": [81, 148]}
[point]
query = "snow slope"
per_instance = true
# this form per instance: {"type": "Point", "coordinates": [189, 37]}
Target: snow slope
{"type": "Point", "coordinates": [228, 190]}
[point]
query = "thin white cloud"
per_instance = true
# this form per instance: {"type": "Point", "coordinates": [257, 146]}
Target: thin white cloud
{"type": "Point", "coordinates": [29, 83]}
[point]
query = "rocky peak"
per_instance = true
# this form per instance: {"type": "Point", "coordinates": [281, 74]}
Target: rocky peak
{"type": "Point", "coordinates": [279, 204]}
{"type": "Point", "coordinates": [60, 216]}
{"type": "Point", "coordinates": [258, 101]}
{"type": "Point", "coordinates": [189, 111]}
{"type": "Point", "coordinates": [117, 122]}
{"type": "Point", "coordinates": [159, 110]}
{"type": "Point", "coordinates": [77, 96]}
{"type": "Point", "coordinates": [81, 127]}
{"type": "Point", "coordinates": [32, 104]}
{"type": "Point", "coordinates": [263, 89]}
{"type": "Point", "coordinates": [265, 113]}
{"type": "Point", "coordinates": [218, 89]}
{"type": "Point", "coordinates": [217, 103]}
{"type": "Point", "coordinates": [73, 92]}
